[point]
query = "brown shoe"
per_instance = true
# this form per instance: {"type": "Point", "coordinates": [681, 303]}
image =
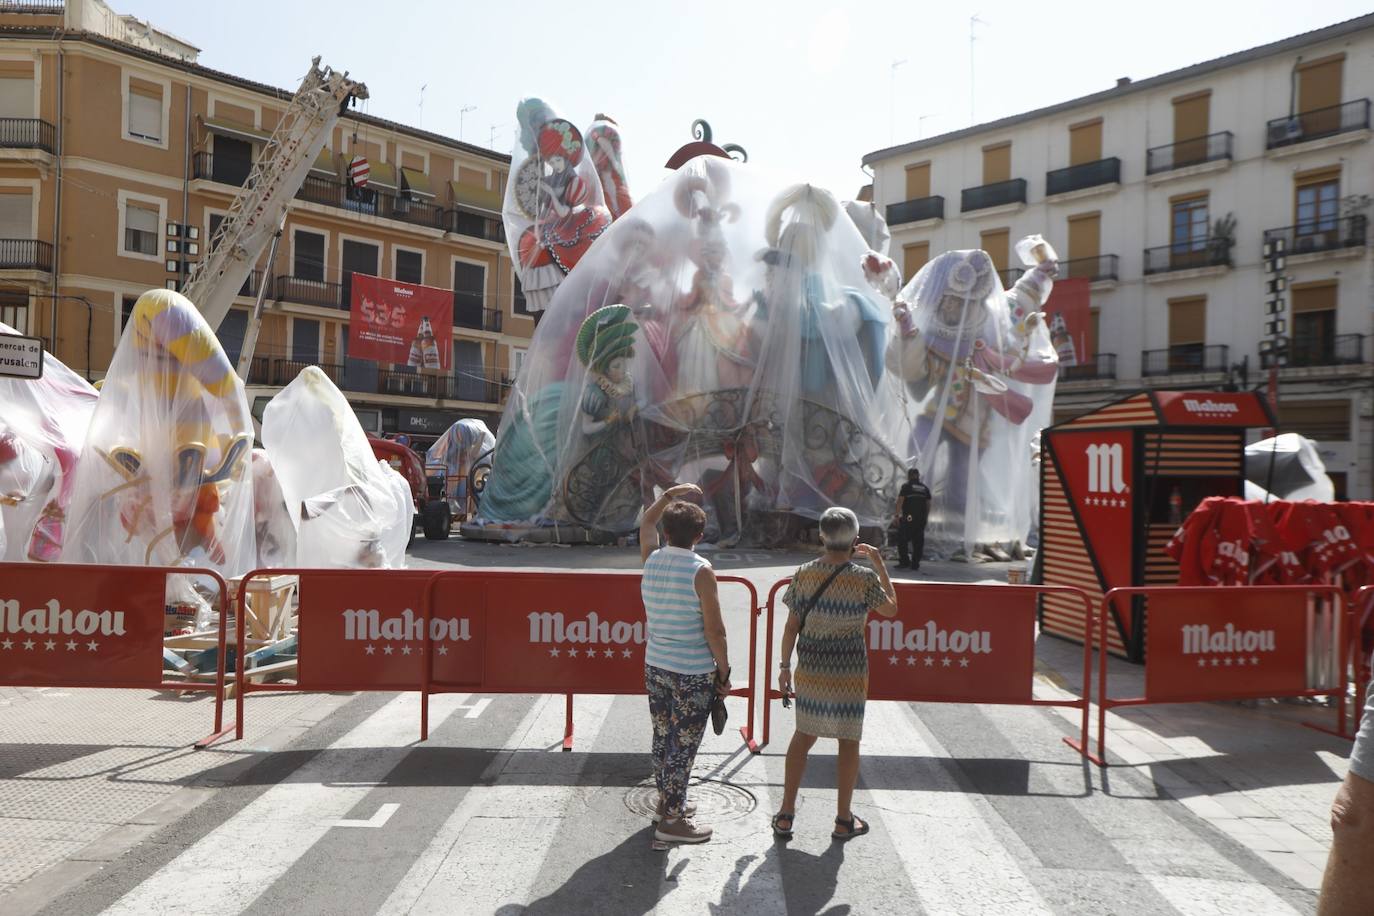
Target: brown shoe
{"type": "Point", "coordinates": [688, 810]}
{"type": "Point", "coordinates": [681, 830]}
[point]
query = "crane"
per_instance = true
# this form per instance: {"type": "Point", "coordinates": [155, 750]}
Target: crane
{"type": "Point", "coordinates": [258, 213]}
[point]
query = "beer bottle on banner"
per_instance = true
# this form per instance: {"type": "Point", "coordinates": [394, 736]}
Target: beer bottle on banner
{"type": "Point", "coordinates": [424, 350]}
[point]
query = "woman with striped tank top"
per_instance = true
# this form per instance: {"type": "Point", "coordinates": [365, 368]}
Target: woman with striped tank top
{"type": "Point", "coordinates": [685, 662]}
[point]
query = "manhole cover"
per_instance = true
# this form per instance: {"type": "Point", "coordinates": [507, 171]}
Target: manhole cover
{"type": "Point", "coordinates": [715, 801]}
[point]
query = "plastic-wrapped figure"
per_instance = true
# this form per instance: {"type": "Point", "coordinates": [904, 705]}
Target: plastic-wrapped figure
{"type": "Point", "coordinates": [458, 452]}
{"type": "Point", "coordinates": [164, 476]}
{"type": "Point", "coordinates": [603, 142]}
{"type": "Point", "coordinates": [554, 207]}
{"type": "Point", "coordinates": [979, 363]}
{"type": "Point", "coordinates": [345, 504]}
{"type": "Point", "coordinates": [276, 536]}
{"type": "Point", "coordinates": [43, 424]}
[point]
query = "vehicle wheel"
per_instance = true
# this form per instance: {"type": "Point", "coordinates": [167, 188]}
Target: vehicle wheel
{"type": "Point", "coordinates": [437, 521]}
{"type": "Point", "coordinates": [410, 542]}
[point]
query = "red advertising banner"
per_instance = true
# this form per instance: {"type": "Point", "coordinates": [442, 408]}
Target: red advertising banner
{"type": "Point", "coordinates": [102, 628]}
{"type": "Point", "coordinates": [973, 644]}
{"type": "Point", "coordinates": [512, 633]}
{"type": "Point", "coordinates": [1222, 644]}
{"type": "Point", "coordinates": [403, 323]}
{"type": "Point", "coordinates": [1069, 311]}
{"type": "Point", "coordinates": [1096, 469]}
{"type": "Point", "coordinates": [1212, 408]}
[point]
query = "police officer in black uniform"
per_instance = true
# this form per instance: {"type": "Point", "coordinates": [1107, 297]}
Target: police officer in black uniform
{"type": "Point", "coordinates": [913, 508]}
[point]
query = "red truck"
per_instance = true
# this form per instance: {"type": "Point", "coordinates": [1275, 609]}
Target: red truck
{"type": "Point", "coordinates": [433, 514]}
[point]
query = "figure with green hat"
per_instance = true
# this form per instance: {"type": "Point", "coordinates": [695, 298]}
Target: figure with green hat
{"type": "Point", "coordinates": [605, 344]}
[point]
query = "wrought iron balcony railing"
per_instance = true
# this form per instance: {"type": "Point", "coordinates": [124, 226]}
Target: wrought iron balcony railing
{"type": "Point", "coordinates": [473, 224]}
{"type": "Point", "coordinates": [1184, 359]}
{"type": "Point", "coordinates": [1101, 366]}
{"type": "Point", "coordinates": [1188, 152]}
{"type": "Point", "coordinates": [1188, 255]}
{"type": "Point", "coordinates": [25, 254]}
{"type": "Point", "coordinates": [1102, 267]}
{"type": "Point", "coordinates": [1085, 175]}
{"type": "Point", "coordinates": [1321, 235]}
{"type": "Point", "coordinates": [26, 133]}
{"type": "Point", "coordinates": [915, 210]}
{"type": "Point", "coordinates": [1331, 350]}
{"type": "Point", "coordinates": [463, 385]}
{"type": "Point", "coordinates": [993, 195]}
{"type": "Point", "coordinates": [324, 293]}
{"type": "Point", "coordinates": [1316, 124]}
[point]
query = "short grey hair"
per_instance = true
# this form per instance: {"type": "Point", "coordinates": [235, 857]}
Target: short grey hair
{"type": "Point", "coordinates": [839, 528]}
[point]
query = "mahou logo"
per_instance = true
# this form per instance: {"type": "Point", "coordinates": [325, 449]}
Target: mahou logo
{"type": "Point", "coordinates": [1200, 639]}
{"type": "Point", "coordinates": [371, 626]}
{"type": "Point", "coordinates": [891, 635]}
{"type": "Point", "coordinates": [1106, 466]}
{"type": "Point", "coordinates": [1210, 408]}
{"type": "Point", "coordinates": [54, 620]}
{"type": "Point", "coordinates": [554, 627]}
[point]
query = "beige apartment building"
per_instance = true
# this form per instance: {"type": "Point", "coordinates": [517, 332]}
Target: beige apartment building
{"type": "Point", "coordinates": [119, 155]}
{"type": "Point", "coordinates": [1172, 195]}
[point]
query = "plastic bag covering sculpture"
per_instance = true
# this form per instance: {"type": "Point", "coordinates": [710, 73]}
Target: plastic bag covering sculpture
{"type": "Point", "coordinates": [164, 476]}
{"type": "Point", "coordinates": [43, 424]}
{"type": "Point", "coordinates": [980, 370]}
{"type": "Point", "coordinates": [555, 206]}
{"type": "Point", "coordinates": [275, 535]}
{"type": "Point", "coordinates": [722, 333]}
{"type": "Point", "coordinates": [344, 504]}
{"type": "Point", "coordinates": [458, 451]}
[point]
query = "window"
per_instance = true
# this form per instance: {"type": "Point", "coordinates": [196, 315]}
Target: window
{"type": "Point", "coordinates": [144, 111]}
{"type": "Point", "coordinates": [469, 289]}
{"type": "Point", "coordinates": [1085, 237]}
{"type": "Point", "coordinates": [1314, 324]}
{"type": "Point", "coordinates": [410, 266]}
{"type": "Point", "coordinates": [1317, 203]}
{"type": "Point", "coordinates": [914, 257]}
{"type": "Point", "coordinates": [517, 360]}
{"type": "Point", "coordinates": [16, 89]}
{"type": "Point", "coordinates": [16, 215]}
{"type": "Point", "coordinates": [1319, 95]}
{"type": "Point", "coordinates": [14, 309]}
{"type": "Point", "coordinates": [126, 311]}
{"type": "Point", "coordinates": [307, 262]}
{"type": "Point", "coordinates": [918, 181]}
{"type": "Point", "coordinates": [305, 340]}
{"type": "Point", "coordinates": [232, 160]}
{"type": "Point", "coordinates": [518, 295]}
{"type": "Point", "coordinates": [1187, 333]}
{"type": "Point", "coordinates": [997, 163]}
{"type": "Point", "coordinates": [1085, 142]}
{"type": "Point", "coordinates": [468, 370]}
{"type": "Point", "coordinates": [140, 229]}
{"type": "Point", "coordinates": [1188, 233]}
{"type": "Point", "coordinates": [361, 258]}
{"type": "Point", "coordinates": [231, 332]}
{"type": "Point", "coordinates": [1325, 421]}
{"type": "Point", "coordinates": [996, 242]}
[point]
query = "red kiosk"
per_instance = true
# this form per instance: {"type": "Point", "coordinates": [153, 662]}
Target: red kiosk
{"type": "Point", "coordinates": [1114, 485]}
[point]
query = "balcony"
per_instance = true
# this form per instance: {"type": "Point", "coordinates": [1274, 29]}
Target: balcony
{"type": "Point", "coordinates": [370, 202]}
{"type": "Point", "coordinates": [1001, 194]}
{"type": "Point", "coordinates": [1318, 124]}
{"type": "Point", "coordinates": [1191, 255]}
{"type": "Point", "coordinates": [916, 210]}
{"type": "Point", "coordinates": [474, 224]}
{"type": "Point", "coordinates": [25, 254]}
{"type": "Point", "coordinates": [310, 292]}
{"type": "Point", "coordinates": [1103, 267]}
{"type": "Point", "coordinates": [252, 284]}
{"type": "Point", "coordinates": [1322, 235]}
{"type": "Point", "coordinates": [1333, 350]}
{"type": "Point", "coordinates": [26, 133]}
{"type": "Point", "coordinates": [1185, 153]}
{"type": "Point", "coordinates": [228, 170]}
{"type": "Point", "coordinates": [1184, 359]}
{"type": "Point", "coordinates": [467, 385]}
{"type": "Point", "coordinates": [1101, 366]}
{"type": "Point", "coordinates": [1080, 177]}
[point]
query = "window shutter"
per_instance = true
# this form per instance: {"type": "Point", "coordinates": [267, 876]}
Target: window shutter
{"type": "Point", "coordinates": [1085, 142]}
{"type": "Point", "coordinates": [914, 257]}
{"type": "Point", "coordinates": [1187, 321]}
{"type": "Point", "coordinates": [16, 216]}
{"type": "Point", "coordinates": [1319, 297]}
{"type": "Point", "coordinates": [997, 163]}
{"type": "Point", "coordinates": [996, 242]}
{"type": "Point", "coordinates": [145, 116]}
{"type": "Point", "coordinates": [918, 181]}
{"type": "Point", "coordinates": [140, 218]}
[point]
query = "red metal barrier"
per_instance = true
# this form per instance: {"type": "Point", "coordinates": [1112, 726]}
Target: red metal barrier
{"type": "Point", "coordinates": [956, 643]}
{"type": "Point", "coordinates": [487, 631]}
{"type": "Point", "coordinates": [1361, 607]}
{"type": "Point", "coordinates": [77, 625]}
{"type": "Point", "coordinates": [546, 633]}
{"type": "Point", "coordinates": [1206, 643]}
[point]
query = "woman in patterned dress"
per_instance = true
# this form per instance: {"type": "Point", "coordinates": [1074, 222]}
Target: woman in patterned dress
{"type": "Point", "coordinates": [832, 669]}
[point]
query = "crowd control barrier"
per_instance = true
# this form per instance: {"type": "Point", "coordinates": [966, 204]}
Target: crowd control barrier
{"type": "Point", "coordinates": [955, 643]}
{"type": "Point", "coordinates": [1209, 643]}
{"type": "Point", "coordinates": [77, 625]}
{"type": "Point", "coordinates": [477, 631]}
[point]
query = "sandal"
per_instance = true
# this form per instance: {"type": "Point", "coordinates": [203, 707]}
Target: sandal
{"type": "Point", "coordinates": [853, 827]}
{"type": "Point", "coordinates": [783, 833]}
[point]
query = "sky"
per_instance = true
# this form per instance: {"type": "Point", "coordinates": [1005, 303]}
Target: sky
{"type": "Point", "coordinates": [807, 88]}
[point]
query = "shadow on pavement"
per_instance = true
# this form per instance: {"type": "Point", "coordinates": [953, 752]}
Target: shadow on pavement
{"type": "Point", "coordinates": [630, 875]}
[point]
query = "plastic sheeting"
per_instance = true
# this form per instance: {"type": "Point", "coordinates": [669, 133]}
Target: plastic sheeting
{"type": "Point", "coordinates": [43, 424]}
{"type": "Point", "coordinates": [980, 372]}
{"type": "Point", "coordinates": [1288, 467]}
{"type": "Point", "coordinates": [164, 475]}
{"type": "Point", "coordinates": [349, 510]}
{"type": "Point", "coordinates": [458, 451]}
{"type": "Point", "coordinates": [746, 355]}
{"type": "Point", "coordinates": [276, 536]}
{"type": "Point", "coordinates": [560, 199]}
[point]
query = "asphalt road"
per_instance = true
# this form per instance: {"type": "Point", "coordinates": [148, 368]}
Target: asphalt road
{"type": "Point", "coordinates": [974, 810]}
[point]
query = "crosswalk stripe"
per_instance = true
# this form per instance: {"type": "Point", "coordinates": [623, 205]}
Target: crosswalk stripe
{"type": "Point", "coordinates": [471, 857]}
{"type": "Point", "coordinates": [241, 858]}
{"type": "Point", "coordinates": [953, 860]}
{"type": "Point", "coordinates": [1209, 897]}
